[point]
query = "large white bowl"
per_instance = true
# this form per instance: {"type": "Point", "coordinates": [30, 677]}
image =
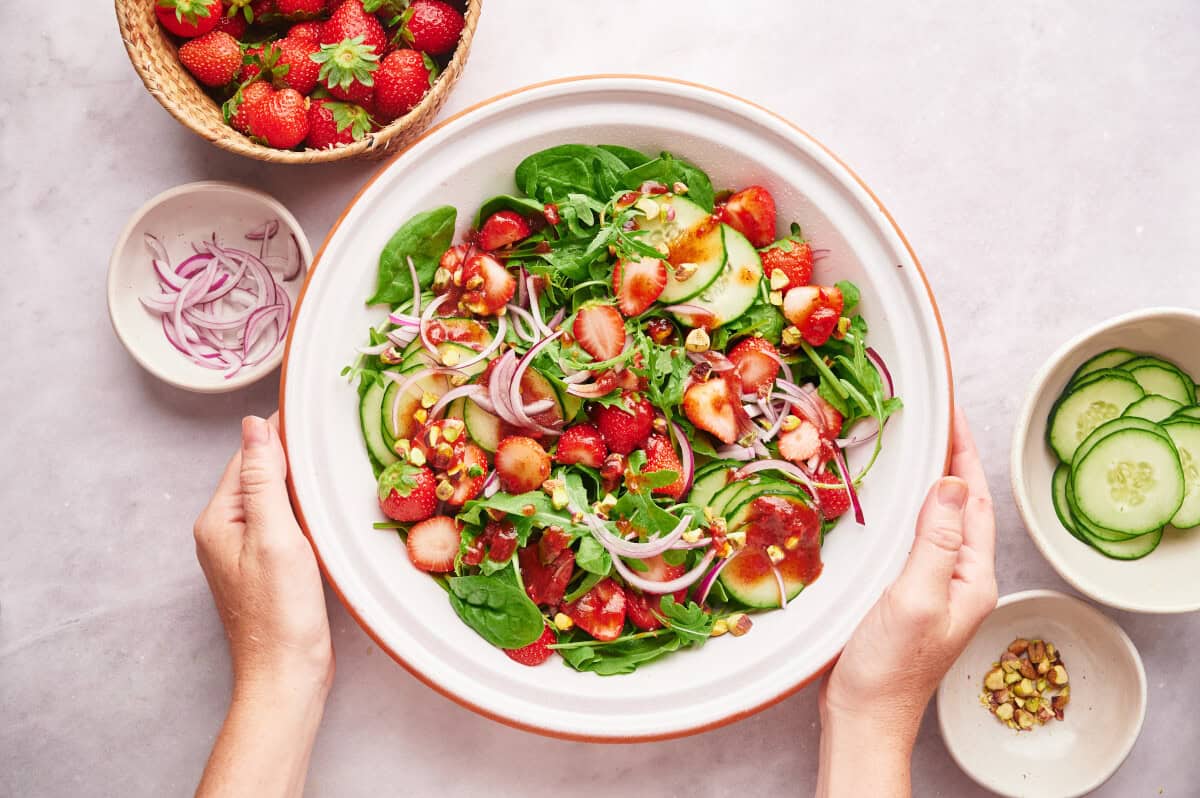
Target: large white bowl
{"type": "Point", "coordinates": [1165, 580]}
{"type": "Point", "coordinates": [472, 157]}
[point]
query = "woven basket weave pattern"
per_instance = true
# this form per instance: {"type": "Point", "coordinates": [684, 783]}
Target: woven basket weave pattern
{"type": "Point", "coordinates": [157, 63]}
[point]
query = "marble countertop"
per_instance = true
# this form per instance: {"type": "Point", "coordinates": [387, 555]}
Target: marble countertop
{"type": "Point", "coordinates": [1042, 161]}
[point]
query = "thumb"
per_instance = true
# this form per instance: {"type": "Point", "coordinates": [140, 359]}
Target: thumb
{"type": "Point", "coordinates": [939, 537]}
{"type": "Point", "coordinates": [264, 470]}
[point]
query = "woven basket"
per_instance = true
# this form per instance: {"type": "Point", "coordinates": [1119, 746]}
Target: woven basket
{"type": "Point", "coordinates": [155, 58]}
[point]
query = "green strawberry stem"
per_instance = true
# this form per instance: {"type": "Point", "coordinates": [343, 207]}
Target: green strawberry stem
{"type": "Point", "coordinates": [188, 11]}
{"type": "Point", "coordinates": [347, 62]}
{"type": "Point", "coordinates": [349, 115]}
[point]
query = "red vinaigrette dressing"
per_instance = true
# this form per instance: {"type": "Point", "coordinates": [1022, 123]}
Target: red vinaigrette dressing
{"type": "Point", "coordinates": [792, 526]}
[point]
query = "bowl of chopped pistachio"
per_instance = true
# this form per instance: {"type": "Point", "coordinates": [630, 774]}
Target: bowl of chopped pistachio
{"type": "Point", "coordinates": [1048, 698]}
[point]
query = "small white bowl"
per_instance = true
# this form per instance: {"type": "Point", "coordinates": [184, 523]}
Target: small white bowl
{"type": "Point", "coordinates": [180, 216]}
{"type": "Point", "coordinates": [1101, 723]}
{"type": "Point", "coordinates": [1165, 580]}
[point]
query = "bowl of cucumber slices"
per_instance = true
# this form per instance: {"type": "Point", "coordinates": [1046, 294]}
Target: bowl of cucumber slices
{"type": "Point", "coordinates": [1106, 461]}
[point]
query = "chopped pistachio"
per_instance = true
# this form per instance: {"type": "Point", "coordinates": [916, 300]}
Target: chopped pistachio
{"type": "Point", "coordinates": [444, 490]}
{"type": "Point", "coordinates": [685, 272]}
{"type": "Point", "coordinates": [1057, 676]}
{"type": "Point", "coordinates": [994, 679]}
{"type": "Point", "coordinates": [719, 628]}
{"type": "Point", "coordinates": [775, 297]}
{"type": "Point", "coordinates": [791, 336]}
{"type": "Point", "coordinates": [779, 280]}
{"type": "Point", "coordinates": [1005, 711]}
{"type": "Point", "coordinates": [416, 457]}
{"type": "Point", "coordinates": [776, 554]}
{"type": "Point", "coordinates": [739, 623]}
{"type": "Point", "coordinates": [563, 622]}
{"type": "Point", "coordinates": [1012, 678]}
{"type": "Point", "coordinates": [697, 340]}
{"type": "Point", "coordinates": [790, 423]}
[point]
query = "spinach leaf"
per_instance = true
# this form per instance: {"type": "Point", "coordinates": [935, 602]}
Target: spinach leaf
{"type": "Point", "coordinates": [570, 168]}
{"type": "Point", "coordinates": [424, 238]}
{"type": "Point", "coordinates": [500, 612]}
{"type": "Point", "coordinates": [631, 158]}
{"type": "Point", "coordinates": [669, 170]}
{"type": "Point", "coordinates": [760, 317]}
{"type": "Point", "coordinates": [850, 295]}
{"type": "Point", "coordinates": [592, 557]}
{"type": "Point", "coordinates": [507, 202]}
{"type": "Point", "coordinates": [620, 656]}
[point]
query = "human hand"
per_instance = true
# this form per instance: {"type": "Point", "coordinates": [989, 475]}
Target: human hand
{"type": "Point", "coordinates": [914, 633]}
{"type": "Point", "coordinates": [262, 571]}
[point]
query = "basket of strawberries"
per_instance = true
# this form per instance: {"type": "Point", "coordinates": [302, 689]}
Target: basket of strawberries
{"type": "Point", "coordinates": [300, 81]}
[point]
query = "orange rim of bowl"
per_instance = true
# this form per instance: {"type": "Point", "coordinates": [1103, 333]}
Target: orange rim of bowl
{"type": "Point", "coordinates": [462, 701]}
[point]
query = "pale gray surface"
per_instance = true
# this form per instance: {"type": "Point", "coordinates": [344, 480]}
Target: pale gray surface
{"type": "Point", "coordinates": [1041, 159]}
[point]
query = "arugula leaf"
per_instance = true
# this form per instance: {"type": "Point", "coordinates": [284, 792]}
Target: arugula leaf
{"type": "Point", "coordinates": [553, 173]}
{"type": "Point", "coordinates": [631, 158]}
{"type": "Point", "coordinates": [507, 202]}
{"type": "Point", "coordinates": [689, 621]}
{"type": "Point", "coordinates": [669, 170]}
{"type": "Point", "coordinates": [525, 510]}
{"type": "Point", "coordinates": [425, 238]}
{"type": "Point", "coordinates": [592, 557]}
{"type": "Point", "coordinates": [500, 612]}
{"type": "Point", "coordinates": [850, 295]}
{"type": "Point", "coordinates": [589, 581]}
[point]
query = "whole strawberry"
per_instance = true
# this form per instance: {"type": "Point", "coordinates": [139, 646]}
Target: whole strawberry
{"type": "Point", "coordinates": [833, 502]}
{"type": "Point", "coordinates": [307, 30]}
{"type": "Point", "coordinates": [431, 26]}
{"type": "Point", "coordinates": [332, 123]}
{"type": "Point", "coordinates": [214, 58]}
{"type": "Point", "coordinates": [258, 58]}
{"type": "Point", "coordinates": [400, 82]}
{"type": "Point", "coordinates": [625, 430]}
{"type": "Point", "coordinates": [233, 24]}
{"type": "Point", "coordinates": [536, 652]}
{"type": "Point", "coordinates": [300, 8]}
{"type": "Point", "coordinates": [350, 21]}
{"type": "Point", "coordinates": [280, 119]}
{"type": "Point", "coordinates": [188, 18]}
{"type": "Point", "coordinates": [407, 492]}
{"type": "Point", "coordinates": [238, 108]}
{"type": "Point", "coordinates": [301, 71]}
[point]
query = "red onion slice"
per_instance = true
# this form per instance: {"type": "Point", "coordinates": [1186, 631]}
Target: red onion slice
{"type": "Point", "coordinates": [687, 457]}
{"type": "Point", "coordinates": [427, 317]}
{"type": "Point", "coordinates": [493, 345]}
{"type": "Point", "coordinates": [844, 473]}
{"type": "Point", "coordinates": [782, 588]}
{"type": "Point", "coordinates": [661, 588]}
{"type": "Point", "coordinates": [450, 396]}
{"type": "Point", "coordinates": [534, 311]}
{"type": "Point", "coordinates": [514, 388]}
{"type": "Point", "coordinates": [627, 548]}
{"type": "Point", "coordinates": [877, 360]}
{"type": "Point", "coordinates": [864, 431]}
{"type": "Point", "coordinates": [710, 578]}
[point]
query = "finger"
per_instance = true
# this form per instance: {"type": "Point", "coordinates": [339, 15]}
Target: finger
{"type": "Point", "coordinates": [263, 475]}
{"type": "Point", "coordinates": [979, 527]}
{"type": "Point", "coordinates": [938, 540]}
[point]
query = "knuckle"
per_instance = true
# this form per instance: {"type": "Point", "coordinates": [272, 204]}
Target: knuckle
{"type": "Point", "coordinates": [945, 535]}
{"type": "Point", "coordinates": [915, 607]}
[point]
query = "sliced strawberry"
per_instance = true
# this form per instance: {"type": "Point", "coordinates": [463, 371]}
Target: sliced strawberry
{"type": "Point", "coordinates": [407, 492]}
{"type": "Point", "coordinates": [625, 430]}
{"type": "Point", "coordinates": [600, 330]}
{"type": "Point", "coordinates": [819, 327]}
{"type": "Point", "coordinates": [814, 310]}
{"type": "Point", "coordinates": [433, 544]}
{"type": "Point", "coordinates": [468, 482]}
{"type": "Point", "coordinates": [503, 228]}
{"type": "Point", "coordinates": [792, 257]}
{"type": "Point", "coordinates": [637, 284]}
{"type": "Point", "coordinates": [522, 464]}
{"type": "Point", "coordinates": [757, 363]}
{"type": "Point", "coordinates": [658, 570]}
{"type": "Point", "coordinates": [487, 285]}
{"type": "Point", "coordinates": [832, 297]}
{"type": "Point", "coordinates": [800, 303]}
{"type": "Point", "coordinates": [601, 611]}
{"type": "Point", "coordinates": [801, 443]}
{"type": "Point", "coordinates": [546, 583]}
{"type": "Point", "coordinates": [661, 456]}
{"type": "Point", "coordinates": [583, 445]}
{"type": "Point", "coordinates": [833, 419]}
{"type": "Point", "coordinates": [833, 502]}
{"type": "Point", "coordinates": [500, 539]}
{"type": "Point", "coordinates": [640, 609]}
{"type": "Point", "coordinates": [715, 406]}
{"type": "Point", "coordinates": [536, 652]}
{"type": "Point", "coordinates": [751, 212]}
{"type": "Point", "coordinates": [552, 543]}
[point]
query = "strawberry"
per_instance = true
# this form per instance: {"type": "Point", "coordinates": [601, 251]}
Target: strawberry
{"type": "Point", "coordinates": [307, 30]}
{"type": "Point", "coordinates": [233, 24]}
{"type": "Point", "coordinates": [600, 330]}
{"type": "Point", "coordinates": [280, 118]}
{"type": "Point", "coordinates": [814, 310]}
{"type": "Point", "coordinates": [487, 285]}
{"type": "Point", "coordinates": [637, 285]}
{"type": "Point", "coordinates": [347, 69]}
{"type": "Point", "coordinates": [552, 543]}
{"type": "Point", "coordinates": [661, 456]}
{"type": "Point", "coordinates": [536, 652]}
{"type": "Point", "coordinates": [500, 538]}
{"type": "Point", "coordinates": [431, 26]}
{"type": "Point", "coordinates": [433, 544]}
{"type": "Point", "coordinates": [751, 212]}
{"type": "Point", "coordinates": [791, 256]}
{"type": "Point", "coordinates": [833, 502]}
{"type": "Point", "coordinates": [545, 583]}
{"type": "Point", "coordinates": [214, 58]}
{"type": "Point", "coordinates": [350, 21]}
{"type": "Point", "coordinates": [259, 58]}
{"type": "Point", "coordinates": [833, 419]}
{"type": "Point", "coordinates": [801, 443]}
{"type": "Point", "coordinates": [501, 229]}
{"type": "Point", "coordinates": [601, 611]}
{"type": "Point", "coordinates": [640, 609]}
{"type": "Point", "coordinates": [300, 8]}
{"type": "Point", "coordinates": [581, 444]}
{"type": "Point", "coordinates": [715, 406]}
{"type": "Point", "coordinates": [658, 570]}
{"type": "Point", "coordinates": [819, 327]}
{"type": "Point", "coordinates": [238, 108]}
{"type": "Point", "coordinates": [302, 72]}
{"type": "Point", "coordinates": [757, 363]}
{"type": "Point", "coordinates": [406, 492]}
{"type": "Point", "coordinates": [188, 18]}
{"type": "Point", "coordinates": [331, 123]}
{"type": "Point", "coordinates": [522, 464]}
{"type": "Point", "coordinates": [625, 430]}
{"type": "Point", "coordinates": [469, 481]}
{"type": "Point", "coordinates": [403, 79]}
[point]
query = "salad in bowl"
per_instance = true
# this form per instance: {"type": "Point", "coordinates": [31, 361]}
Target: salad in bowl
{"type": "Point", "coordinates": [611, 420]}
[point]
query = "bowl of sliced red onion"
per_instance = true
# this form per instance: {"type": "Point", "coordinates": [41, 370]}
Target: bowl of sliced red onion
{"type": "Point", "coordinates": [202, 283]}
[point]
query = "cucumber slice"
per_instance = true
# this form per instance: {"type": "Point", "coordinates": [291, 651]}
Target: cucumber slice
{"type": "Point", "coordinates": [420, 358]}
{"type": "Point", "coordinates": [1132, 549]}
{"type": "Point", "coordinates": [1084, 408]}
{"type": "Point", "coordinates": [692, 236]}
{"type": "Point", "coordinates": [1187, 412]}
{"type": "Point", "coordinates": [734, 291]}
{"type": "Point", "coordinates": [750, 579]}
{"type": "Point", "coordinates": [707, 483]}
{"type": "Point", "coordinates": [482, 426]}
{"type": "Point", "coordinates": [1116, 425]}
{"type": "Point", "coordinates": [398, 408]}
{"type": "Point", "coordinates": [1130, 482]}
{"type": "Point", "coordinates": [1085, 526]}
{"type": "Point", "coordinates": [1165, 381]}
{"type": "Point", "coordinates": [724, 496]}
{"type": "Point", "coordinates": [1058, 495]}
{"type": "Point", "coordinates": [1185, 434]}
{"type": "Point", "coordinates": [370, 415]}
{"type": "Point", "coordinates": [1152, 408]}
{"type": "Point", "coordinates": [1105, 360]}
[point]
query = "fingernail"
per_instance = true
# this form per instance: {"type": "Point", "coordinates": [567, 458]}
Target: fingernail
{"type": "Point", "coordinates": [254, 432]}
{"type": "Point", "coordinates": [952, 493]}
